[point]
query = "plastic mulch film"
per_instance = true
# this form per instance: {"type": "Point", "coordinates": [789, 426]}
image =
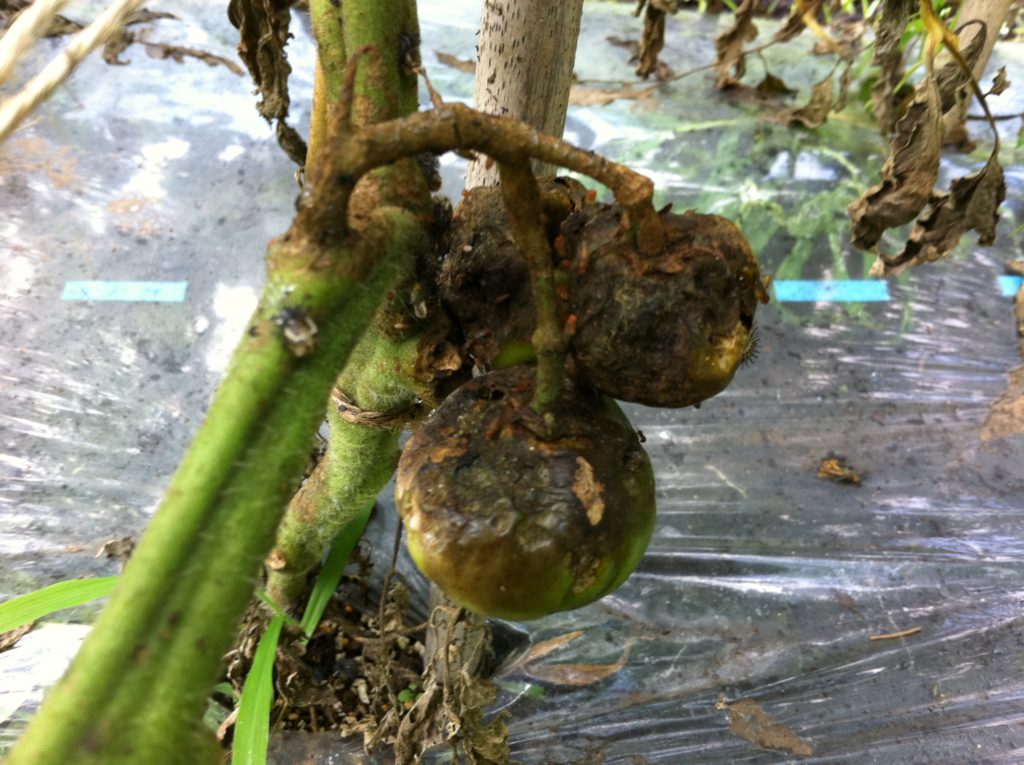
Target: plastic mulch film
{"type": "Point", "coordinates": [778, 616]}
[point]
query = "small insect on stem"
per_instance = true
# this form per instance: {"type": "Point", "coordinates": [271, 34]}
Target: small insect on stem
{"type": "Point", "coordinates": [298, 331]}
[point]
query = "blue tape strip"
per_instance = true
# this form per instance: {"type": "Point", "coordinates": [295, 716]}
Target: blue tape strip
{"type": "Point", "coordinates": [846, 291]}
{"type": "Point", "coordinates": [136, 292]}
{"type": "Point", "coordinates": [1009, 285]}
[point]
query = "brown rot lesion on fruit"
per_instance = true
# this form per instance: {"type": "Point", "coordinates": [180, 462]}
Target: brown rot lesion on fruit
{"type": "Point", "coordinates": [298, 331]}
{"type": "Point", "coordinates": [668, 329]}
{"type": "Point", "coordinates": [516, 517]}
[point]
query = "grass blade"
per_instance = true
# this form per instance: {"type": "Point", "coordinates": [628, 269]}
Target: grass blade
{"type": "Point", "coordinates": [35, 605]}
{"type": "Point", "coordinates": [252, 728]}
{"type": "Point", "coordinates": [330, 572]}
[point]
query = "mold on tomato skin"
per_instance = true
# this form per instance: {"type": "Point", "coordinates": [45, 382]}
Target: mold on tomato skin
{"type": "Point", "coordinates": [517, 518]}
{"type": "Point", "coordinates": [668, 330]}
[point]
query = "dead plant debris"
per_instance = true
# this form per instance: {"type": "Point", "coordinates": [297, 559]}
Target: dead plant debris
{"type": "Point", "coordinates": [749, 721]}
{"type": "Point", "coordinates": [408, 687]}
{"type": "Point", "coordinates": [835, 468]}
{"type": "Point", "coordinates": [9, 638]}
{"type": "Point", "coordinates": [896, 635]}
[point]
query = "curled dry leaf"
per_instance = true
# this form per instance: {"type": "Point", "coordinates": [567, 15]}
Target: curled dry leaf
{"type": "Point", "coordinates": [889, 28]}
{"type": "Point", "coordinates": [651, 43]}
{"type": "Point", "coordinates": [815, 112]}
{"type": "Point", "coordinates": [773, 86]}
{"type": "Point", "coordinates": [797, 21]}
{"type": "Point", "coordinates": [729, 46]}
{"type": "Point", "coordinates": [972, 202]}
{"type": "Point", "coordinates": [909, 174]}
{"type": "Point", "coordinates": [952, 80]}
{"type": "Point", "coordinates": [999, 83]}
{"type": "Point", "coordinates": [263, 29]}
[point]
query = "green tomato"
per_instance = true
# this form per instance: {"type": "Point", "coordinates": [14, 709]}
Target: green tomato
{"type": "Point", "coordinates": [516, 518]}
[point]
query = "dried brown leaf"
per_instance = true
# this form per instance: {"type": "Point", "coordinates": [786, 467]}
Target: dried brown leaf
{"type": "Point", "coordinates": [972, 202]}
{"type": "Point", "coordinates": [651, 43]}
{"type": "Point", "coordinates": [773, 86]}
{"type": "Point", "coordinates": [795, 23]}
{"type": "Point", "coordinates": [263, 29]}
{"type": "Point", "coordinates": [815, 112]}
{"type": "Point", "coordinates": [952, 80]}
{"type": "Point", "coordinates": [729, 46]}
{"type": "Point", "coordinates": [888, 57]}
{"type": "Point", "coordinates": [999, 83]}
{"type": "Point", "coordinates": [909, 173]}
{"type": "Point", "coordinates": [580, 95]}
{"type": "Point", "coordinates": [179, 53]}
{"type": "Point", "coordinates": [11, 637]}
{"type": "Point", "coordinates": [748, 720]}
{"type": "Point", "coordinates": [578, 675]}
{"type": "Point", "coordinates": [539, 650]}
{"type": "Point", "coordinates": [462, 64]}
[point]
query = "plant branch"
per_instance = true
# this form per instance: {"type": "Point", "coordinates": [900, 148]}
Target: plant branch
{"type": "Point", "coordinates": [349, 155]}
{"type": "Point", "coordinates": [522, 201]}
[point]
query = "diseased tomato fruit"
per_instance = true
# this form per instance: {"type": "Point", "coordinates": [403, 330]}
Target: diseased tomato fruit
{"type": "Point", "coordinates": [517, 519]}
{"type": "Point", "coordinates": [666, 330]}
{"type": "Point", "coordinates": [484, 280]}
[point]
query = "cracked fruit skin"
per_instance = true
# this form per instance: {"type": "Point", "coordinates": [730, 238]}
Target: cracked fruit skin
{"type": "Point", "coordinates": [666, 330]}
{"type": "Point", "coordinates": [514, 520]}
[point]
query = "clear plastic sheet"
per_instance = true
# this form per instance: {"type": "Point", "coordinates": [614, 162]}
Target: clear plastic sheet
{"type": "Point", "coordinates": [762, 582]}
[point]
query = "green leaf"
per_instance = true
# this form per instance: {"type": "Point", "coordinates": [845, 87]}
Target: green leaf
{"type": "Point", "coordinates": [330, 572]}
{"type": "Point", "coordinates": [252, 729]}
{"type": "Point", "coordinates": [35, 605]}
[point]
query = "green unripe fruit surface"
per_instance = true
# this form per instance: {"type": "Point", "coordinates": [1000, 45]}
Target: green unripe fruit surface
{"type": "Point", "coordinates": [518, 518]}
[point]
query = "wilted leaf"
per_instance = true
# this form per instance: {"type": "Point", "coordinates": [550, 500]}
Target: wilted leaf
{"type": "Point", "coordinates": [462, 64]}
{"type": "Point", "coordinates": [11, 637]}
{"type": "Point", "coordinates": [729, 46]}
{"type": "Point", "coordinates": [999, 83]}
{"type": "Point", "coordinates": [263, 28]}
{"type": "Point", "coordinates": [651, 43]}
{"type": "Point", "coordinates": [888, 58]}
{"type": "Point", "coordinates": [795, 24]}
{"type": "Point", "coordinates": [748, 720]}
{"type": "Point", "coordinates": [773, 86]}
{"type": "Point", "coordinates": [578, 675]}
{"type": "Point", "coordinates": [543, 648]}
{"type": "Point", "coordinates": [909, 174]}
{"type": "Point", "coordinates": [584, 96]}
{"type": "Point", "coordinates": [816, 110]}
{"type": "Point", "coordinates": [179, 53]}
{"type": "Point", "coordinates": [950, 76]}
{"type": "Point", "coordinates": [972, 202]}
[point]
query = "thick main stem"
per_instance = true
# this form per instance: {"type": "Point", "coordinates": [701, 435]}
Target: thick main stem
{"type": "Point", "coordinates": [360, 458]}
{"type": "Point", "coordinates": [137, 688]}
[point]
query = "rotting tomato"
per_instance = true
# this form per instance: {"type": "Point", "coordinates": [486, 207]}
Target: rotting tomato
{"type": "Point", "coordinates": [669, 329]}
{"type": "Point", "coordinates": [518, 517]}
